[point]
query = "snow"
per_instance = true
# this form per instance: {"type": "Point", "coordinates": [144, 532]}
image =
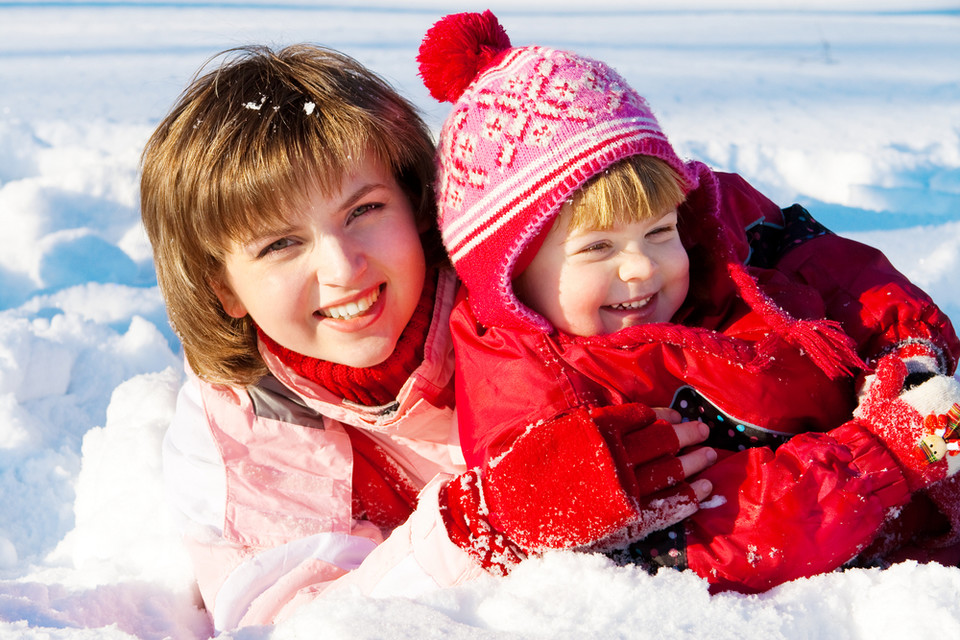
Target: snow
{"type": "Point", "coordinates": [851, 108]}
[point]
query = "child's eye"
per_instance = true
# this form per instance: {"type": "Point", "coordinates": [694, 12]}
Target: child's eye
{"type": "Point", "coordinates": [662, 231]}
{"type": "Point", "coordinates": [594, 247]}
{"type": "Point", "coordinates": [276, 245]}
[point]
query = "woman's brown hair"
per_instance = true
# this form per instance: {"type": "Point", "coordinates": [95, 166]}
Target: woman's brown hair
{"type": "Point", "coordinates": [241, 145]}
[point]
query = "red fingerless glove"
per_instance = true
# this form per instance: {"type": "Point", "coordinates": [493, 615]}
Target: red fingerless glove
{"type": "Point", "coordinates": [643, 447]}
{"type": "Point", "coordinates": [571, 482]}
{"type": "Point", "coordinates": [919, 425]}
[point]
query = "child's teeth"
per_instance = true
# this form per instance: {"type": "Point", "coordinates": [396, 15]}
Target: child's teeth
{"type": "Point", "coordinates": [632, 305]}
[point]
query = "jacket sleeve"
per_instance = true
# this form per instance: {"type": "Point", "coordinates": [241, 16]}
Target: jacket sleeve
{"type": "Point", "coordinates": [876, 304]}
{"type": "Point", "coordinates": [806, 508]}
{"type": "Point", "coordinates": [504, 383]}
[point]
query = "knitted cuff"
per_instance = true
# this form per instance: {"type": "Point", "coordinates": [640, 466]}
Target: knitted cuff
{"type": "Point", "coordinates": [466, 519]}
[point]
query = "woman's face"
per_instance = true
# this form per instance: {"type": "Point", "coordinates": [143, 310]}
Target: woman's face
{"type": "Point", "coordinates": [341, 279]}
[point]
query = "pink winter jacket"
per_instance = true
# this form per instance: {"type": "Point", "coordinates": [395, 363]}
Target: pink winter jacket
{"type": "Point", "coordinates": [263, 478]}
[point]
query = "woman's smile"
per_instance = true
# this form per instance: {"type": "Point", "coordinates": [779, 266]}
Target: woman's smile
{"type": "Point", "coordinates": [352, 309]}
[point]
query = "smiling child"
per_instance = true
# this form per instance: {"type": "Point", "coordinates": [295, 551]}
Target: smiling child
{"type": "Point", "coordinates": [605, 278]}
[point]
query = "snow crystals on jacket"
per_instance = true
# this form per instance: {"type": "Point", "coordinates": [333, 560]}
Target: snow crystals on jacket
{"type": "Point", "coordinates": [784, 505]}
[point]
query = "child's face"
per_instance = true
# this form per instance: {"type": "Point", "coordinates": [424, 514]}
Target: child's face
{"type": "Point", "coordinates": [597, 282]}
{"type": "Point", "coordinates": [341, 280]}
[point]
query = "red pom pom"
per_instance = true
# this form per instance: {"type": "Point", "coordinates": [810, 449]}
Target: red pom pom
{"type": "Point", "coordinates": [456, 49]}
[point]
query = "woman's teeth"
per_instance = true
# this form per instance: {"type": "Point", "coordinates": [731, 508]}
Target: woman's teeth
{"type": "Point", "coordinates": [351, 309]}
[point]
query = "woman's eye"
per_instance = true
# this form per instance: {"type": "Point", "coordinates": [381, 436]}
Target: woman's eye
{"type": "Point", "coordinates": [276, 245]}
{"type": "Point", "coordinates": [364, 208]}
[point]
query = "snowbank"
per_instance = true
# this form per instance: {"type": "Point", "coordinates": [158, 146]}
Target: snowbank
{"type": "Point", "coordinates": [849, 108]}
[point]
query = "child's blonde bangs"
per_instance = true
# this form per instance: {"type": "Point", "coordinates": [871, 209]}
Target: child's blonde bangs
{"type": "Point", "coordinates": [634, 189]}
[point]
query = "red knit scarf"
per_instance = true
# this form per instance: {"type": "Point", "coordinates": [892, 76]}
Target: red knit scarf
{"type": "Point", "coordinates": [370, 386]}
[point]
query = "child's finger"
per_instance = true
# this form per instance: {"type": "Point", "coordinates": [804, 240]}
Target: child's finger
{"type": "Point", "coordinates": [670, 415]}
{"type": "Point", "coordinates": [668, 471]}
{"type": "Point", "coordinates": [702, 488]}
{"type": "Point", "coordinates": [697, 460]}
{"type": "Point", "coordinates": [690, 433]}
{"type": "Point", "coordinates": [658, 475]}
{"type": "Point", "coordinates": [651, 442]}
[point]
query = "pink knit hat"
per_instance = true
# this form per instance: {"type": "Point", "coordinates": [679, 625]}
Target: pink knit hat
{"type": "Point", "coordinates": [529, 126]}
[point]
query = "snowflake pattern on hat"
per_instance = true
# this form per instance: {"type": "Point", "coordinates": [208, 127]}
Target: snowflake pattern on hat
{"type": "Point", "coordinates": [522, 111]}
{"type": "Point", "coordinates": [527, 110]}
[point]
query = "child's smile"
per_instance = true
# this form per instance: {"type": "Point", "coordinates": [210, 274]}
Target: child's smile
{"type": "Point", "coordinates": [629, 306]}
{"type": "Point", "coordinates": [632, 312]}
{"type": "Point", "coordinates": [595, 282]}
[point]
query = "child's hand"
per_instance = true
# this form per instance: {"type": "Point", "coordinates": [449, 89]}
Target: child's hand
{"type": "Point", "coordinates": [695, 461]}
{"type": "Point", "coordinates": [578, 480]}
{"type": "Point", "coordinates": [918, 419]}
{"type": "Point", "coordinates": [647, 450]}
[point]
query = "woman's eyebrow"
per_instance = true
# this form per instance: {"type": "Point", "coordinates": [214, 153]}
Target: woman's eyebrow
{"type": "Point", "coordinates": [251, 244]}
{"type": "Point", "coordinates": [360, 193]}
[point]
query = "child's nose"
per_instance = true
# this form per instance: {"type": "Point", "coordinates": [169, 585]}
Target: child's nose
{"type": "Point", "coordinates": [636, 265]}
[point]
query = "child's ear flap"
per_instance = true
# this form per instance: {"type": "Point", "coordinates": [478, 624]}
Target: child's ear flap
{"type": "Point", "coordinates": [229, 300]}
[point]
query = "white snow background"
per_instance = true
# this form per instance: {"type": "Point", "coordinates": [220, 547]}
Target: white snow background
{"type": "Point", "coordinates": [851, 108]}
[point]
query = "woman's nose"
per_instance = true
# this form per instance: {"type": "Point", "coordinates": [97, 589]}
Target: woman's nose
{"type": "Point", "coordinates": [337, 262]}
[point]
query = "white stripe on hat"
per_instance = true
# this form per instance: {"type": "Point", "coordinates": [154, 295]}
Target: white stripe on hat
{"type": "Point", "coordinates": [488, 214]}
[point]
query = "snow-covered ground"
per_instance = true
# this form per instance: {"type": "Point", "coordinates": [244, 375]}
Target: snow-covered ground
{"type": "Point", "coordinates": [851, 108]}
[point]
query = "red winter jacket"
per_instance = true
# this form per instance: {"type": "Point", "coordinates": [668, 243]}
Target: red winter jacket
{"type": "Point", "coordinates": [779, 511]}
